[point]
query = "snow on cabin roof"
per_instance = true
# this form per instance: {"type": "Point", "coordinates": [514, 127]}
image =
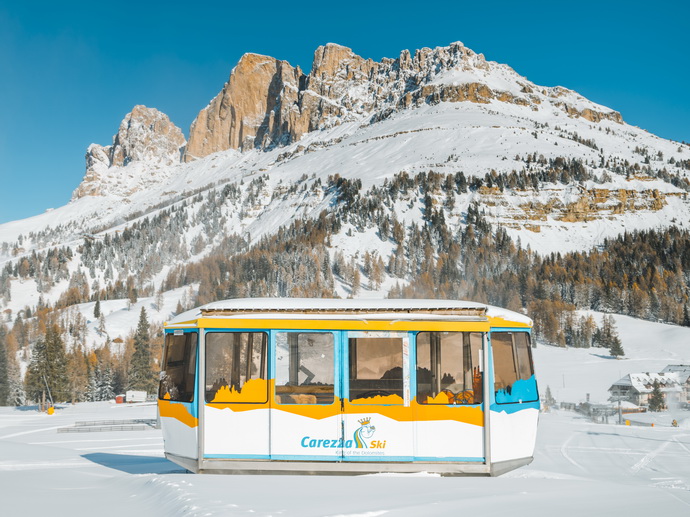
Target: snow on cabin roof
{"type": "Point", "coordinates": [359, 306]}
{"type": "Point", "coordinates": [644, 382]}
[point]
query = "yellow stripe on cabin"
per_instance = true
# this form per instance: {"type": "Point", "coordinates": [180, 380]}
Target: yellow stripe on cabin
{"type": "Point", "coordinates": [178, 412]}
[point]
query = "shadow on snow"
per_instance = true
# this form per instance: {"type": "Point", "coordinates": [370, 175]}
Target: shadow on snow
{"type": "Point", "coordinates": [134, 464]}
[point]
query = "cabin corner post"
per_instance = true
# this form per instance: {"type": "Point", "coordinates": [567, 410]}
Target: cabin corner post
{"type": "Point", "coordinates": [486, 388]}
{"type": "Point", "coordinates": [201, 398]}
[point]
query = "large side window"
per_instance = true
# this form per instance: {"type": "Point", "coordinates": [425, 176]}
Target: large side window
{"type": "Point", "coordinates": [305, 368]}
{"type": "Point", "coordinates": [179, 368]}
{"type": "Point", "coordinates": [513, 369]}
{"type": "Point", "coordinates": [449, 368]}
{"type": "Point", "coordinates": [376, 370]}
{"type": "Point", "coordinates": [236, 367]}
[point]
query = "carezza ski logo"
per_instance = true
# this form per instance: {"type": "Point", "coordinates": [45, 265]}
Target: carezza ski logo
{"type": "Point", "coordinates": [360, 439]}
{"type": "Point", "coordinates": [365, 432]}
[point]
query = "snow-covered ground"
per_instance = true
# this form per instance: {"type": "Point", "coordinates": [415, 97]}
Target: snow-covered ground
{"type": "Point", "coordinates": [580, 468]}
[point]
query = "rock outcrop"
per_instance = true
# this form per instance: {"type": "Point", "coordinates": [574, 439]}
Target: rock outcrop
{"type": "Point", "coordinates": [267, 102]}
{"type": "Point", "coordinates": [145, 135]}
{"type": "Point", "coordinates": [252, 110]}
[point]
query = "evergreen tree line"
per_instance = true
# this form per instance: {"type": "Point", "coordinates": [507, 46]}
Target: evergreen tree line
{"type": "Point", "coordinates": [122, 264]}
{"type": "Point", "coordinates": [57, 373]}
{"type": "Point", "coordinates": [639, 273]}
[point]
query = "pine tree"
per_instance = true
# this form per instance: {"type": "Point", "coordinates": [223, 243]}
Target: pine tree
{"type": "Point", "coordinates": [159, 300]}
{"type": "Point", "coordinates": [549, 401]}
{"type": "Point", "coordinates": [588, 328]}
{"type": "Point", "coordinates": [101, 325]}
{"type": "Point", "coordinates": [356, 281]}
{"type": "Point", "coordinates": [48, 367]}
{"type": "Point", "coordinates": [97, 309]}
{"type": "Point", "coordinates": [101, 383]}
{"type": "Point", "coordinates": [105, 388]}
{"type": "Point", "coordinates": [141, 375]}
{"type": "Point", "coordinates": [92, 391]}
{"type": "Point", "coordinates": [17, 394]}
{"type": "Point", "coordinates": [615, 347]}
{"type": "Point", "coordinates": [77, 374]}
{"type": "Point", "coordinates": [656, 398]}
{"type": "Point", "coordinates": [4, 370]}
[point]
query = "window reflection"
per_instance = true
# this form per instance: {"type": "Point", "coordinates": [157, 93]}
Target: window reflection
{"type": "Point", "coordinates": [376, 370]}
{"type": "Point", "coordinates": [179, 368]}
{"type": "Point", "coordinates": [448, 368]}
{"type": "Point", "coordinates": [305, 368]}
{"type": "Point", "coordinates": [513, 368]}
{"type": "Point", "coordinates": [236, 367]}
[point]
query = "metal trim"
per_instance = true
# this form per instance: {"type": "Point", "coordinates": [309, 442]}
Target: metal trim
{"type": "Point", "coordinates": [341, 468]}
{"type": "Point", "coordinates": [486, 400]}
{"type": "Point", "coordinates": [201, 386]}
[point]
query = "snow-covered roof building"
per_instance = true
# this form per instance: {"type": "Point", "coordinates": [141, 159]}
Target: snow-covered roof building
{"type": "Point", "coordinates": [683, 371]}
{"type": "Point", "coordinates": [637, 387]}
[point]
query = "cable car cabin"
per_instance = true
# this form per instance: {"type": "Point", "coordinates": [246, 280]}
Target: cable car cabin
{"type": "Point", "coordinates": [349, 386]}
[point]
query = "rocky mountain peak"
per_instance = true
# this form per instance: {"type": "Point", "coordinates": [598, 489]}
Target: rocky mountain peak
{"type": "Point", "coordinates": [267, 102]}
{"type": "Point", "coordinates": [328, 59]}
{"type": "Point", "coordinates": [145, 135]}
{"type": "Point", "coordinates": [248, 112]}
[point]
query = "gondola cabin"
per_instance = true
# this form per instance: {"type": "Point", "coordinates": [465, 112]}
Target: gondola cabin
{"type": "Point", "coordinates": [348, 386]}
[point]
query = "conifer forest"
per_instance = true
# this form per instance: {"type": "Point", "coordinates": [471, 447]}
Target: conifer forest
{"type": "Point", "coordinates": [446, 252]}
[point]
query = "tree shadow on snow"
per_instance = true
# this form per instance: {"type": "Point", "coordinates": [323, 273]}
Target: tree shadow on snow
{"type": "Point", "coordinates": [134, 464]}
{"type": "Point", "coordinates": [604, 356]}
{"type": "Point", "coordinates": [35, 408]}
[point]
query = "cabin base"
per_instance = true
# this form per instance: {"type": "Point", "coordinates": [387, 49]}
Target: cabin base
{"type": "Point", "coordinates": [243, 467]}
{"type": "Point", "coordinates": [501, 467]}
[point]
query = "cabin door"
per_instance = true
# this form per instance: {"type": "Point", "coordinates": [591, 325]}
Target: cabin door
{"type": "Point", "coordinates": [448, 386]}
{"type": "Point", "coordinates": [306, 420]}
{"type": "Point", "coordinates": [378, 420]}
{"type": "Point", "coordinates": [236, 395]}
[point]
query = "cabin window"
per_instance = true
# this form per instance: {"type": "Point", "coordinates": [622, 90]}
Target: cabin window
{"type": "Point", "coordinates": [236, 367]}
{"type": "Point", "coordinates": [376, 370]}
{"type": "Point", "coordinates": [513, 369]}
{"type": "Point", "coordinates": [305, 368]}
{"type": "Point", "coordinates": [179, 368]}
{"type": "Point", "coordinates": [448, 368]}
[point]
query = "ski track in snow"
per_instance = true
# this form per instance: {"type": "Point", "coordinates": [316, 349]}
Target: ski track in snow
{"type": "Point", "coordinates": [564, 452]}
{"type": "Point", "coordinates": [649, 457]}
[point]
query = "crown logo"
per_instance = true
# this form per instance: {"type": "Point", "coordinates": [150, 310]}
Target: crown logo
{"type": "Point", "coordinates": [365, 421]}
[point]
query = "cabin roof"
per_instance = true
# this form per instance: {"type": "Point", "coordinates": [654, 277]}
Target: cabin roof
{"type": "Point", "coordinates": [643, 382]}
{"type": "Point", "coordinates": [325, 306]}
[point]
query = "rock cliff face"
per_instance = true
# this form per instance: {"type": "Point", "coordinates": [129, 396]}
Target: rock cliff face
{"type": "Point", "coordinates": [145, 135]}
{"type": "Point", "coordinates": [252, 110]}
{"type": "Point", "coordinates": [267, 102]}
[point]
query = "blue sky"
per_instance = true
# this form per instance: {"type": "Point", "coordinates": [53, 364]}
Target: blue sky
{"type": "Point", "coordinates": [70, 71]}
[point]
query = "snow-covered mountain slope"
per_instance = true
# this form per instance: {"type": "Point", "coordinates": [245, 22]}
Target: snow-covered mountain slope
{"type": "Point", "coordinates": [447, 138]}
{"type": "Point", "coordinates": [558, 171]}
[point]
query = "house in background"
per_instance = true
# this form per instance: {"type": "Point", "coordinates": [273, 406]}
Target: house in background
{"type": "Point", "coordinates": [637, 387]}
{"type": "Point", "coordinates": [683, 372]}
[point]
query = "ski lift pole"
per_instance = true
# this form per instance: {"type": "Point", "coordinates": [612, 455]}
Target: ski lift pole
{"type": "Point", "coordinates": [47, 388]}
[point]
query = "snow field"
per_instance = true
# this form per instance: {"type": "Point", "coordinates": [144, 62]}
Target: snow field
{"type": "Point", "coordinates": [572, 373]}
{"type": "Point", "coordinates": [579, 468]}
